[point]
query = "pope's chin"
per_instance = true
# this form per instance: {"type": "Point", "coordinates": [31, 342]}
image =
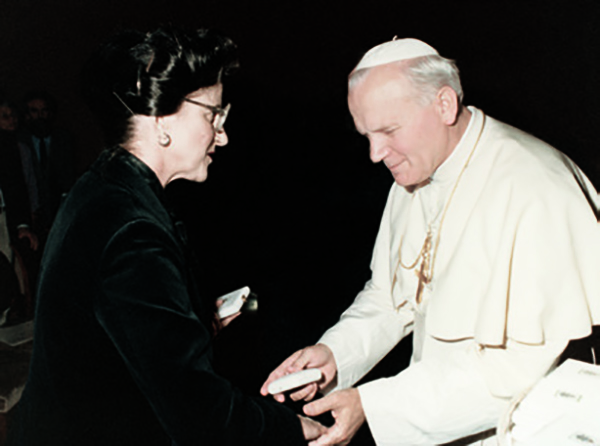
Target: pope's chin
{"type": "Point", "coordinates": [404, 180]}
{"type": "Point", "coordinates": [407, 181]}
{"type": "Point", "coordinates": [401, 175]}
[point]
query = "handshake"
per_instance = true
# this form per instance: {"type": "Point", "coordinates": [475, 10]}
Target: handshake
{"type": "Point", "coordinates": [303, 374]}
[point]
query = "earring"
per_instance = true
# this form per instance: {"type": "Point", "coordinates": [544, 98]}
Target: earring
{"type": "Point", "coordinates": [164, 140]}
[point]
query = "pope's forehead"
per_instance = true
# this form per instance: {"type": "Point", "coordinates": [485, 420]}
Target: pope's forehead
{"type": "Point", "coordinates": [382, 83]}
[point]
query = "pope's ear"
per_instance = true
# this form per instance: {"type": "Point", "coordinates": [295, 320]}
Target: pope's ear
{"type": "Point", "coordinates": [447, 103]}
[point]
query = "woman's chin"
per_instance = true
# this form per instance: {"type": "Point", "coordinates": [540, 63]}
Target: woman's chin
{"type": "Point", "coordinates": [201, 176]}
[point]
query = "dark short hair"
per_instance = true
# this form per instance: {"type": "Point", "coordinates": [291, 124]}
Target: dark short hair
{"type": "Point", "coordinates": [44, 96]}
{"type": "Point", "coordinates": [151, 73]}
{"type": "Point", "coordinates": [4, 102]}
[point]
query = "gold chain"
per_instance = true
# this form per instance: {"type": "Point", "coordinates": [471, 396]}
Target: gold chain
{"type": "Point", "coordinates": [425, 273]}
{"type": "Point", "coordinates": [424, 249]}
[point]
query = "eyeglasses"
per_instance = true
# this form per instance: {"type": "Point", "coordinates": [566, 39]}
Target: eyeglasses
{"type": "Point", "coordinates": [219, 114]}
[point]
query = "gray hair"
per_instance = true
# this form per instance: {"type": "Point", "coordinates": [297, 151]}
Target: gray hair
{"type": "Point", "coordinates": [427, 74]}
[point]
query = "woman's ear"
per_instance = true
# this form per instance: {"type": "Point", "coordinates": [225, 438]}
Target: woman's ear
{"type": "Point", "coordinates": [163, 137]}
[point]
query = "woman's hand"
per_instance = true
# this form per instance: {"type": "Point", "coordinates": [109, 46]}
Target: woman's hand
{"type": "Point", "coordinates": [226, 320]}
{"type": "Point", "coordinates": [311, 428]}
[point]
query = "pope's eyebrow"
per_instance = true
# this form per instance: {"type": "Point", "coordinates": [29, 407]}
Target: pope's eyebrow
{"type": "Point", "coordinates": [385, 129]}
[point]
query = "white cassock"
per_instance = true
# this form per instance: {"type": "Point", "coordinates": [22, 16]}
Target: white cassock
{"type": "Point", "coordinates": [516, 276]}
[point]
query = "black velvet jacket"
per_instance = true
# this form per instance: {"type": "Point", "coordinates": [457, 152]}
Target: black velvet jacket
{"type": "Point", "coordinates": [122, 345]}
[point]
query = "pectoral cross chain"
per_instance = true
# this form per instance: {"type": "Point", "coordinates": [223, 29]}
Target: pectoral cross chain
{"type": "Point", "coordinates": [424, 273]}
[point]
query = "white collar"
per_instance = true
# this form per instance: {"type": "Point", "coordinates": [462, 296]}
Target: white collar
{"type": "Point", "coordinates": [451, 167]}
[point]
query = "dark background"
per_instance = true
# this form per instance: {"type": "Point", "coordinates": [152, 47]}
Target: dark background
{"type": "Point", "coordinates": [292, 204]}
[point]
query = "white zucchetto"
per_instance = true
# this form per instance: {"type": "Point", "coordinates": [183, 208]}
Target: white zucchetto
{"type": "Point", "coordinates": [394, 51]}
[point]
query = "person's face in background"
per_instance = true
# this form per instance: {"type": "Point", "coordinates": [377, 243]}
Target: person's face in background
{"type": "Point", "coordinates": [9, 121]}
{"type": "Point", "coordinates": [38, 117]}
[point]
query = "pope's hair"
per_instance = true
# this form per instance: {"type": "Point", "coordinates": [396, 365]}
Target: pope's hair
{"type": "Point", "coordinates": [427, 74]}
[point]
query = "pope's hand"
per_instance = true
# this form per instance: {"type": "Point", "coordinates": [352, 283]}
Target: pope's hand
{"type": "Point", "coordinates": [316, 356]}
{"type": "Point", "coordinates": [346, 408]}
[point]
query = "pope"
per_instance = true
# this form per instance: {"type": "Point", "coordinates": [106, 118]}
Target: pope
{"type": "Point", "coordinates": [488, 253]}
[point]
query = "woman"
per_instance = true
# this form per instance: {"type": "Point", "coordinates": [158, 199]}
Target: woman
{"type": "Point", "coordinates": [122, 348]}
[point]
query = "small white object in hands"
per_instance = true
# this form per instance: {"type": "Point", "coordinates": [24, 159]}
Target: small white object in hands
{"type": "Point", "coordinates": [294, 380]}
{"type": "Point", "coordinates": [232, 302]}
